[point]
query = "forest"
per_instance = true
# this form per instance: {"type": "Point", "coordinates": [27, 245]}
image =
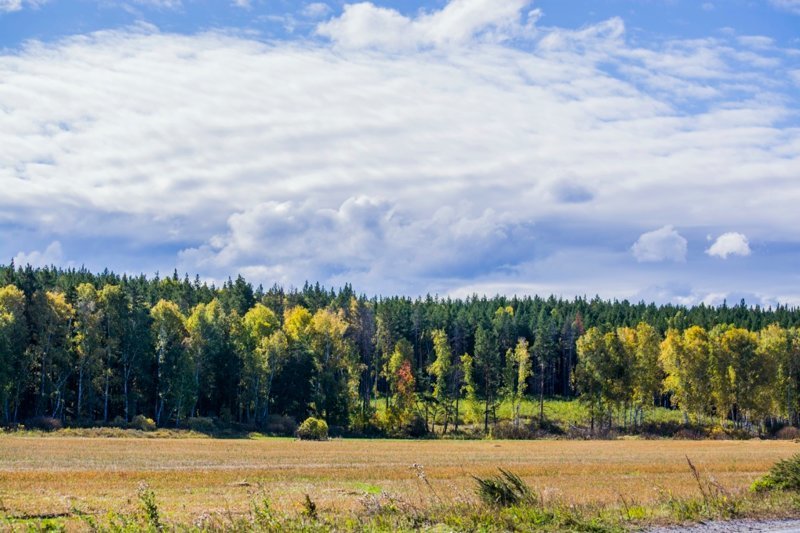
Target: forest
{"type": "Point", "coordinates": [92, 349]}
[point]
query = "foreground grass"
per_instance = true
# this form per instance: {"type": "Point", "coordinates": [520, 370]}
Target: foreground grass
{"type": "Point", "coordinates": [387, 513]}
{"type": "Point", "coordinates": [379, 484]}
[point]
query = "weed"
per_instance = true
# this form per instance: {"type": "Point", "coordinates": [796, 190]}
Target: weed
{"type": "Point", "coordinates": [261, 512]}
{"type": "Point", "coordinates": [716, 499]}
{"type": "Point", "coordinates": [149, 507]}
{"type": "Point", "coordinates": [421, 476]}
{"type": "Point", "coordinates": [504, 490]}
{"type": "Point", "coordinates": [309, 508]}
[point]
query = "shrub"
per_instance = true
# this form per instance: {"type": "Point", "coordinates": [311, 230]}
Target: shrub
{"type": "Point", "coordinates": [504, 490]}
{"type": "Point", "coordinates": [281, 425]}
{"type": "Point", "coordinates": [313, 429]}
{"type": "Point", "coordinates": [506, 430]}
{"type": "Point", "coordinates": [200, 424]}
{"type": "Point", "coordinates": [788, 433]}
{"type": "Point", "coordinates": [143, 423]}
{"type": "Point", "coordinates": [690, 433]}
{"type": "Point", "coordinates": [43, 423]}
{"type": "Point", "coordinates": [363, 425]}
{"type": "Point", "coordinates": [415, 426]}
{"type": "Point", "coordinates": [118, 422]}
{"type": "Point", "coordinates": [784, 475]}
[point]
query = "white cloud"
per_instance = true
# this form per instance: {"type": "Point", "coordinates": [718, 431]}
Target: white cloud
{"type": "Point", "coordinates": [792, 6]}
{"type": "Point", "coordinates": [729, 244]}
{"type": "Point", "coordinates": [52, 255]}
{"type": "Point", "coordinates": [365, 25]}
{"type": "Point", "coordinates": [244, 4]}
{"type": "Point", "coordinates": [316, 10]}
{"type": "Point", "coordinates": [161, 4]}
{"type": "Point", "coordinates": [9, 6]}
{"type": "Point", "coordinates": [664, 244]}
{"type": "Point", "coordinates": [463, 161]}
{"type": "Point", "coordinates": [363, 240]}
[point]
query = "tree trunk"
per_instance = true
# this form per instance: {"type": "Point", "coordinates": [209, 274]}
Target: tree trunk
{"type": "Point", "coordinates": [541, 393]}
{"type": "Point", "coordinates": [456, 421]}
{"type": "Point", "coordinates": [159, 409]}
{"type": "Point", "coordinates": [486, 416]}
{"type": "Point", "coordinates": [80, 391]}
{"type": "Point", "coordinates": [126, 373]}
{"type": "Point", "coordinates": [16, 402]}
{"type": "Point", "coordinates": [108, 381]}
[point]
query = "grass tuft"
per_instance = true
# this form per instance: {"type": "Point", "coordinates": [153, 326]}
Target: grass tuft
{"type": "Point", "coordinates": [504, 490]}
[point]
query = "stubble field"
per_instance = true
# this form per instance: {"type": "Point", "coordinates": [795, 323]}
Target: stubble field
{"type": "Point", "coordinates": [42, 476]}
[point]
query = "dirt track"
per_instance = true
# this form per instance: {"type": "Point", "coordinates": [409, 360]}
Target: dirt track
{"type": "Point", "coordinates": [737, 526]}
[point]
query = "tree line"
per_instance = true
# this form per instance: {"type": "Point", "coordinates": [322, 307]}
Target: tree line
{"type": "Point", "coordinates": [727, 373]}
{"type": "Point", "coordinates": [97, 348]}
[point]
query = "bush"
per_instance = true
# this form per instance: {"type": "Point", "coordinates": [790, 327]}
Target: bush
{"type": "Point", "coordinates": [313, 429]}
{"type": "Point", "coordinates": [143, 423]}
{"type": "Point", "coordinates": [281, 425]}
{"type": "Point", "coordinates": [201, 424]}
{"type": "Point", "coordinates": [720, 433]}
{"type": "Point", "coordinates": [504, 490]}
{"type": "Point", "coordinates": [506, 430]}
{"type": "Point", "coordinates": [363, 425]}
{"type": "Point", "coordinates": [118, 422]}
{"type": "Point", "coordinates": [44, 423]}
{"type": "Point", "coordinates": [788, 433]}
{"type": "Point", "coordinates": [690, 433]}
{"type": "Point", "coordinates": [415, 426]}
{"type": "Point", "coordinates": [784, 475]}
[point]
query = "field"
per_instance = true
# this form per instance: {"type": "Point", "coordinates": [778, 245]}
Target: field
{"type": "Point", "coordinates": [54, 475]}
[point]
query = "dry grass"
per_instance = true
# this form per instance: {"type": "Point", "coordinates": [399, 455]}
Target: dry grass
{"type": "Point", "coordinates": [51, 475]}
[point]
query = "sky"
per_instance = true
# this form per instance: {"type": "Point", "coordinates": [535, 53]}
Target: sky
{"type": "Point", "coordinates": [631, 149]}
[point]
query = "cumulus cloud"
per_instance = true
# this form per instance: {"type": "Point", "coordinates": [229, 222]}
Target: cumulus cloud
{"type": "Point", "coordinates": [664, 244]}
{"type": "Point", "coordinates": [470, 159]}
{"type": "Point", "coordinates": [729, 244]}
{"type": "Point", "coordinates": [364, 239]}
{"type": "Point", "coordinates": [792, 6]}
{"type": "Point", "coordinates": [52, 255]}
{"type": "Point", "coordinates": [365, 25]}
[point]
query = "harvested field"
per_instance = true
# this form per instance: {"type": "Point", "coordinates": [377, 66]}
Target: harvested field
{"type": "Point", "coordinates": [51, 475]}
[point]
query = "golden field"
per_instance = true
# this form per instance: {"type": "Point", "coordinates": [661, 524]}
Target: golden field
{"type": "Point", "coordinates": [51, 475]}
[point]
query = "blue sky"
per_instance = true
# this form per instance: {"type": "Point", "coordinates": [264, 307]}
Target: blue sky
{"type": "Point", "coordinates": [640, 149]}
